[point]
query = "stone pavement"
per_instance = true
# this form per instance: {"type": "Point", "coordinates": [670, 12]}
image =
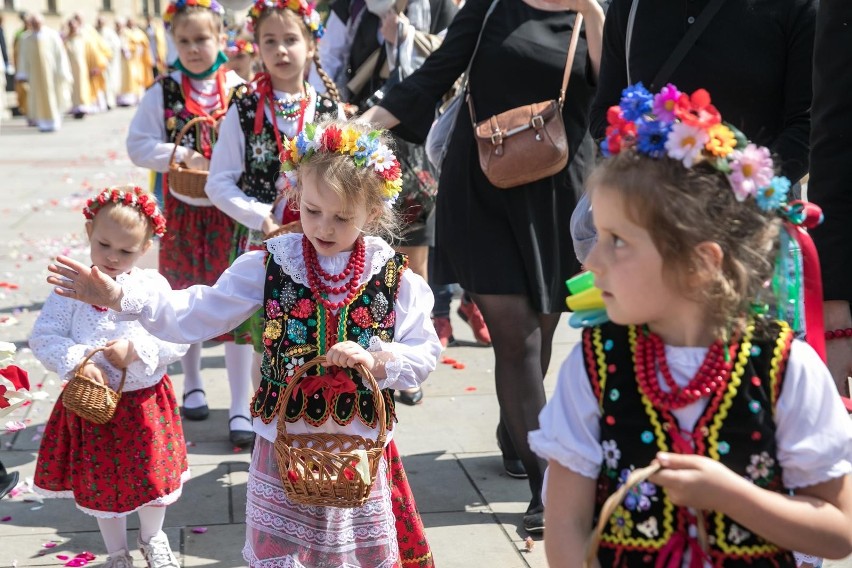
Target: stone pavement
{"type": "Point", "coordinates": [471, 509]}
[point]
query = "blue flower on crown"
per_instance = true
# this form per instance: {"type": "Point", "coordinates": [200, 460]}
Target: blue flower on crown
{"type": "Point", "coordinates": [366, 147]}
{"type": "Point", "coordinates": [636, 102]}
{"type": "Point", "coordinates": [773, 195]}
{"type": "Point", "coordinates": [651, 136]}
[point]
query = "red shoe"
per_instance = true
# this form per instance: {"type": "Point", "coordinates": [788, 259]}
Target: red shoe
{"type": "Point", "coordinates": [444, 329]}
{"type": "Point", "coordinates": [471, 314]}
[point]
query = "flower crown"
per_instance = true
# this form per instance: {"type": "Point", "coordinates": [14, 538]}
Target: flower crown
{"type": "Point", "coordinates": [134, 197]}
{"type": "Point", "coordinates": [365, 148]}
{"type": "Point", "coordinates": [240, 45]}
{"type": "Point", "coordinates": [688, 128]}
{"type": "Point", "coordinates": [177, 5]}
{"type": "Point", "coordinates": [305, 10]}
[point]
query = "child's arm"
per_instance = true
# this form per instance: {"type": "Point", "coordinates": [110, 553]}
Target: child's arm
{"type": "Point", "coordinates": [817, 520]}
{"type": "Point", "coordinates": [192, 315]}
{"type": "Point", "coordinates": [226, 167]}
{"type": "Point", "coordinates": [51, 339]}
{"type": "Point", "coordinates": [147, 143]}
{"type": "Point", "coordinates": [413, 354]}
{"type": "Point", "coordinates": [569, 508]}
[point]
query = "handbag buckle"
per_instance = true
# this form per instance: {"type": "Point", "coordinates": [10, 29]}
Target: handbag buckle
{"type": "Point", "coordinates": [537, 122]}
{"type": "Point", "coordinates": [497, 138]}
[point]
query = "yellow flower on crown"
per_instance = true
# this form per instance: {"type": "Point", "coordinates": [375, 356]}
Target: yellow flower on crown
{"type": "Point", "coordinates": [349, 141]}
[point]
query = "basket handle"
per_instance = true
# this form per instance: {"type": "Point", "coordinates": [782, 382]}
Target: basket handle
{"type": "Point", "coordinates": [90, 355]}
{"type": "Point", "coordinates": [378, 399]}
{"type": "Point", "coordinates": [185, 129]}
{"type": "Point", "coordinates": [636, 477]}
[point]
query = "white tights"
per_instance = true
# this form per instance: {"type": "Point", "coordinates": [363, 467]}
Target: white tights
{"type": "Point", "coordinates": [114, 530]}
{"type": "Point", "coordinates": [239, 363]}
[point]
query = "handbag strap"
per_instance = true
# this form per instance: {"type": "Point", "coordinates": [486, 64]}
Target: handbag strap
{"type": "Point", "coordinates": [628, 38]}
{"type": "Point", "coordinates": [686, 42]}
{"type": "Point", "coordinates": [566, 73]}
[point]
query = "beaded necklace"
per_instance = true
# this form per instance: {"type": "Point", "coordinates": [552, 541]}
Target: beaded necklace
{"type": "Point", "coordinates": [289, 107]}
{"type": "Point", "coordinates": [317, 277]}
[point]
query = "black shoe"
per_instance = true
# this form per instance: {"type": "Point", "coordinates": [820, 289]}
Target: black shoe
{"type": "Point", "coordinates": [8, 481]}
{"type": "Point", "coordinates": [199, 412]}
{"type": "Point", "coordinates": [534, 523]}
{"type": "Point", "coordinates": [240, 438]}
{"type": "Point", "coordinates": [511, 465]}
{"type": "Point", "coordinates": [410, 398]}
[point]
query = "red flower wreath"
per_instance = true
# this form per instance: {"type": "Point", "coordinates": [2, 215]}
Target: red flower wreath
{"type": "Point", "coordinates": [134, 197]}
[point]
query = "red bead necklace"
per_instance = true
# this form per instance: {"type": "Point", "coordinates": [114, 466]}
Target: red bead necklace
{"type": "Point", "coordinates": [651, 357]}
{"type": "Point", "coordinates": [317, 277]}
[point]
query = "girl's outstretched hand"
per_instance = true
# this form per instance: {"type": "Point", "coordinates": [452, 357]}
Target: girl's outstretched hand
{"type": "Point", "coordinates": [695, 481]}
{"type": "Point", "coordinates": [79, 282]}
{"type": "Point", "coordinates": [349, 354]}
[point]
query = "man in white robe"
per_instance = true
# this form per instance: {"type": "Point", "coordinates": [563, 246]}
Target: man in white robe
{"type": "Point", "coordinates": [113, 73]}
{"type": "Point", "coordinates": [44, 65]}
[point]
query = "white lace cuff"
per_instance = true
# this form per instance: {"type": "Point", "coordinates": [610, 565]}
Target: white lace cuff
{"type": "Point", "coordinates": [393, 367]}
{"type": "Point", "coordinates": [149, 357]}
{"type": "Point", "coordinates": [134, 300]}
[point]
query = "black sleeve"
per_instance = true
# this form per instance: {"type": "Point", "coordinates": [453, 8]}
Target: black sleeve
{"type": "Point", "coordinates": [792, 143]}
{"type": "Point", "coordinates": [613, 74]}
{"type": "Point", "coordinates": [413, 100]}
{"type": "Point", "coordinates": [4, 49]}
{"type": "Point", "coordinates": [830, 184]}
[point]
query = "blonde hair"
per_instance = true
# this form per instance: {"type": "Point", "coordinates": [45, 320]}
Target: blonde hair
{"type": "Point", "coordinates": [292, 16]}
{"type": "Point", "coordinates": [128, 216]}
{"type": "Point", "coordinates": [353, 184]}
{"type": "Point", "coordinates": [684, 207]}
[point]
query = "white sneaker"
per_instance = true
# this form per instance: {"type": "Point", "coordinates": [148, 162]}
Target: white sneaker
{"type": "Point", "coordinates": [157, 552]}
{"type": "Point", "coordinates": [120, 559]}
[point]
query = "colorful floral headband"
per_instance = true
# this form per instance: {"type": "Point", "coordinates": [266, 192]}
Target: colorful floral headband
{"type": "Point", "coordinates": [135, 197]}
{"type": "Point", "coordinates": [240, 46]}
{"type": "Point", "coordinates": [688, 128]}
{"type": "Point", "coordinates": [365, 148]}
{"type": "Point", "coordinates": [305, 10]}
{"type": "Point", "coordinates": [177, 5]}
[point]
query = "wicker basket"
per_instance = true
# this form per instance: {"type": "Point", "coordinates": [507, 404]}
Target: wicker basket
{"type": "Point", "coordinates": [182, 179]}
{"type": "Point", "coordinates": [90, 399]}
{"type": "Point", "coordinates": [636, 477]}
{"type": "Point", "coordinates": [319, 469]}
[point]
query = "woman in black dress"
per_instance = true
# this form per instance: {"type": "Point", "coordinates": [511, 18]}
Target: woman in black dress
{"type": "Point", "coordinates": [510, 248]}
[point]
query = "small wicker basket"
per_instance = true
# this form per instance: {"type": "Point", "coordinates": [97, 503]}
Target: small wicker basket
{"type": "Point", "coordinates": [182, 179]}
{"type": "Point", "coordinates": [320, 469]}
{"type": "Point", "coordinates": [636, 477]}
{"type": "Point", "coordinates": [90, 399]}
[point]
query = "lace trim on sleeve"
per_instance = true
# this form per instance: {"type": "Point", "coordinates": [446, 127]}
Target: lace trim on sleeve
{"type": "Point", "coordinates": [393, 367]}
{"type": "Point", "coordinates": [135, 296]}
{"type": "Point", "coordinates": [286, 250]}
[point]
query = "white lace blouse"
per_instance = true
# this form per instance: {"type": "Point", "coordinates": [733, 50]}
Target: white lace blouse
{"type": "Point", "coordinates": [813, 430]}
{"type": "Point", "coordinates": [66, 330]}
{"type": "Point", "coordinates": [201, 312]}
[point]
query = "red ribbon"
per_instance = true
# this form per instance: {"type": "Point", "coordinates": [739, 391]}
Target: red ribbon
{"type": "Point", "coordinates": [263, 88]}
{"type": "Point", "coordinates": [812, 279]}
{"type": "Point", "coordinates": [195, 108]}
{"type": "Point", "coordinates": [671, 555]}
{"type": "Point", "coordinates": [331, 385]}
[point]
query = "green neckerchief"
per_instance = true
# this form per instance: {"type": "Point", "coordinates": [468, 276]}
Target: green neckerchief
{"type": "Point", "coordinates": [220, 59]}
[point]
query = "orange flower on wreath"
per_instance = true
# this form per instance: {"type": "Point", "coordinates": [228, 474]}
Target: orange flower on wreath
{"type": "Point", "coordinates": [722, 140]}
{"type": "Point", "coordinates": [696, 110]}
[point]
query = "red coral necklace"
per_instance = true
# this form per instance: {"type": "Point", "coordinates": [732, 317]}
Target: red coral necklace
{"type": "Point", "coordinates": [317, 277]}
{"type": "Point", "coordinates": [651, 357]}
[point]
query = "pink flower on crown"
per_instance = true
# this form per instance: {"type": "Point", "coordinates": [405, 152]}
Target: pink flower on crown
{"type": "Point", "coordinates": [665, 102]}
{"type": "Point", "coordinates": [751, 169]}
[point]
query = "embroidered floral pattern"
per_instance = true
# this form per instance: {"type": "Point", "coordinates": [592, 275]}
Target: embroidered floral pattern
{"type": "Point", "coordinates": [761, 468]}
{"type": "Point", "coordinates": [639, 498]}
{"type": "Point", "coordinates": [621, 523]}
{"type": "Point", "coordinates": [611, 453]}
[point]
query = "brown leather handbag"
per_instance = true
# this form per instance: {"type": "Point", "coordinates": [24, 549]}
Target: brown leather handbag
{"type": "Point", "coordinates": [527, 143]}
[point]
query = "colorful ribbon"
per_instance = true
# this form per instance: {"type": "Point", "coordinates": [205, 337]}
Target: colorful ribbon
{"type": "Point", "coordinates": [331, 385]}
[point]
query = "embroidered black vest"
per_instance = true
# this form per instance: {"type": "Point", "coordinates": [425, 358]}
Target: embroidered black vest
{"type": "Point", "coordinates": [297, 329]}
{"type": "Point", "coordinates": [202, 137]}
{"type": "Point", "coordinates": [737, 428]}
{"type": "Point", "coordinates": [261, 151]}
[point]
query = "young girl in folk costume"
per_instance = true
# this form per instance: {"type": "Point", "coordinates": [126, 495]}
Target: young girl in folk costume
{"type": "Point", "coordinates": [244, 177]}
{"type": "Point", "coordinates": [196, 249]}
{"type": "Point", "coordinates": [332, 291]}
{"type": "Point", "coordinates": [241, 54]}
{"type": "Point", "coordinates": [136, 461]}
{"type": "Point", "coordinates": [693, 373]}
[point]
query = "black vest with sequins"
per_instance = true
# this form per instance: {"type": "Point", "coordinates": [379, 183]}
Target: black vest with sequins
{"type": "Point", "coordinates": [298, 328]}
{"type": "Point", "coordinates": [737, 428]}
